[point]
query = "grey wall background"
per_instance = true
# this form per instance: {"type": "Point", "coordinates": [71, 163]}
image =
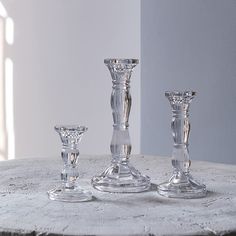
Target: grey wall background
{"type": "Point", "coordinates": [59, 74]}
{"type": "Point", "coordinates": [189, 44]}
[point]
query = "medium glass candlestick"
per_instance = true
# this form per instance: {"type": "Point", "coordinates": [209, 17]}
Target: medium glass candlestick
{"type": "Point", "coordinates": [181, 184]}
{"type": "Point", "coordinates": [69, 191]}
{"type": "Point", "coordinates": [121, 176]}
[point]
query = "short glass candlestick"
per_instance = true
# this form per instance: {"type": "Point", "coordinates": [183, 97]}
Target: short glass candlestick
{"type": "Point", "coordinates": [69, 190]}
{"type": "Point", "coordinates": [121, 176]}
{"type": "Point", "coordinates": [181, 184]}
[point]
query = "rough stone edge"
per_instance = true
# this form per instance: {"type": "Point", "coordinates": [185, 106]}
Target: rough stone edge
{"type": "Point", "coordinates": [9, 232]}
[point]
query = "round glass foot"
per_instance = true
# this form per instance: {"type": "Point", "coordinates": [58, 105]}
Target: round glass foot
{"type": "Point", "coordinates": [177, 188]}
{"type": "Point", "coordinates": [69, 195]}
{"type": "Point", "coordinates": [121, 178]}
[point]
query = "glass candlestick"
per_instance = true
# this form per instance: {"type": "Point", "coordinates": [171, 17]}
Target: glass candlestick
{"type": "Point", "coordinates": [69, 191]}
{"type": "Point", "coordinates": [181, 184]}
{"type": "Point", "coordinates": [121, 176]}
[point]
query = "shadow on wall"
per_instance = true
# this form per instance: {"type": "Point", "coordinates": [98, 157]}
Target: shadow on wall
{"type": "Point", "coordinates": [7, 137]}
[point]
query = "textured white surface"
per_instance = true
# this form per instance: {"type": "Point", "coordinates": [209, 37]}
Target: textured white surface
{"type": "Point", "coordinates": [25, 208]}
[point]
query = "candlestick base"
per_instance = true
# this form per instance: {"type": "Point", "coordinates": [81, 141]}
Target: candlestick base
{"type": "Point", "coordinates": [182, 185]}
{"type": "Point", "coordinates": [64, 194]}
{"type": "Point", "coordinates": [121, 178]}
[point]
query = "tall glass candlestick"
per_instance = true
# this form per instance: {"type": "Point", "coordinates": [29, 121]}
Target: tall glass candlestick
{"type": "Point", "coordinates": [181, 184]}
{"type": "Point", "coordinates": [121, 176]}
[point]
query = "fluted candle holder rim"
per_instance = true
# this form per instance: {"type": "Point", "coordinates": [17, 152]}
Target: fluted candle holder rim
{"type": "Point", "coordinates": [180, 93]}
{"type": "Point", "coordinates": [121, 61]}
{"type": "Point", "coordinates": [79, 128]}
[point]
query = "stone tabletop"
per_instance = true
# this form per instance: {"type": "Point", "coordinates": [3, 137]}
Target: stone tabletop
{"type": "Point", "coordinates": [26, 209]}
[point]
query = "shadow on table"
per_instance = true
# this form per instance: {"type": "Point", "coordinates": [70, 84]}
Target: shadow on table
{"type": "Point", "coordinates": [135, 199]}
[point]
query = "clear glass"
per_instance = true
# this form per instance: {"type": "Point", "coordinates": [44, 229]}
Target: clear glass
{"type": "Point", "coordinates": [181, 184]}
{"type": "Point", "coordinates": [69, 191]}
{"type": "Point", "coordinates": [121, 176]}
